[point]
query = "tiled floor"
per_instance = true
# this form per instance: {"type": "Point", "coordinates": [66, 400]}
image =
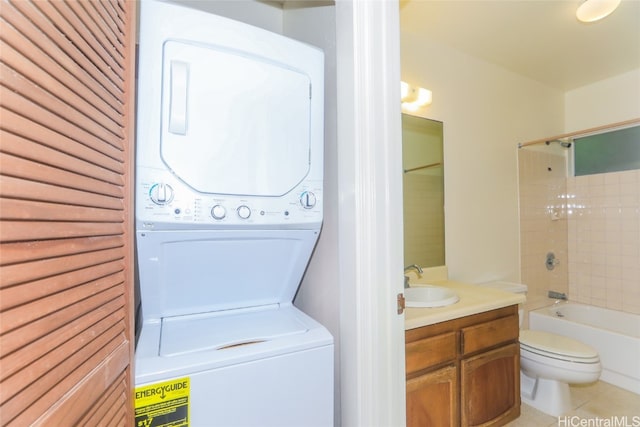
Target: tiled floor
{"type": "Point", "coordinates": [598, 404]}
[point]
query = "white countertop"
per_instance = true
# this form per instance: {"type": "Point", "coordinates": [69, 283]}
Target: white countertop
{"type": "Point", "coordinates": [473, 299]}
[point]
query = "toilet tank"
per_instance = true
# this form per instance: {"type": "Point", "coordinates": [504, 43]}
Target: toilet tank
{"type": "Point", "coordinates": [514, 288]}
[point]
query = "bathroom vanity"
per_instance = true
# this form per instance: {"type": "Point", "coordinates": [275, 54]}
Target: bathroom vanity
{"type": "Point", "coordinates": [463, 361]}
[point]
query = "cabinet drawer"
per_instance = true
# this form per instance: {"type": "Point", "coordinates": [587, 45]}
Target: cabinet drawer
{"type": "Point", "coordinates": [429, 352]}
{"type": "Point", "coordinates": [489, 334]}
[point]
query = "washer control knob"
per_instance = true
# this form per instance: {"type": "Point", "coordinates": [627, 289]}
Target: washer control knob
{"type": "Point", "coordinates": [244, 212]}
{"type": "Point", "coordinates": [308, 200]}
{"type": "Point", "coordinates": [161, 194]}
{"type": "Point", "coordinates": [218, 212]}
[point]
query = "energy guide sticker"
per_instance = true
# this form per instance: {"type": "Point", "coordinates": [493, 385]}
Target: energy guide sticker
{"type": "Point", "coordinates": [164, 404]}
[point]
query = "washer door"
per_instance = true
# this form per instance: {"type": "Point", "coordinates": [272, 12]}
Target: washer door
{"type": "Point", "coordinates": [190, 272]}
{"type": "Point", "coordinates": [232, 122]}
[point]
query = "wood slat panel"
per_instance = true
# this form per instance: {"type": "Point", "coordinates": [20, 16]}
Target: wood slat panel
{"type": "Point", "coordinates": [81, 35]}
{"type": "Point", "coordinates": [12, 209]}
{"type": "Point", "coordinates": [61, 273]}
{"type": "Point", "coordinates": [18, 167]}
{"type": "Point", "coordinates": [50, 120]}
{"type": "Point", "coordinates": [52, 76]}
{"type": "Point", "coordinates": [14, 384]}
{"type": "Point", "coordinates": [23, 85]}
{"type": "Point", "coordinates": [99, 291]}
{"type": "Point", "coordinates": [119, 419]}
{"type": "Point", "coordinates": [115, 10]}
{"type": "Point", "coordinates": [102, 413]}
{"type": "Point", "coordinates": [66, 212]}
{"type": "Point", "coordinates": [56, 29]}
{"type": "Point", "coordinates": [18, 125]}
{"type": "Point", "coordinates": [31, 150]}
{"type": "Point", "coordinates": [60, 380]}
{"type": "Point", "coordinates": [110, 28]}
{"type": "Point", "coordinates": [14, 253]}
{"type": "Point", "coordinates": [16, 231]}
{"type": "Point", "coordinates": [16, 188]}
{"type": "Point", "coordinates": [13, 340]}
{"type": "Point", "coordinates": [15, 62]}
{"type": "Point", "coordinates": [91, 24]}
{"type": "Point", "coordinates": [61, 390]}
{"type": "Point", "coordinates": [29, 353]}
{"type": "Point", "coordinates": [51, 47]}
{"type": "Point", "coordinates": [88, 391]}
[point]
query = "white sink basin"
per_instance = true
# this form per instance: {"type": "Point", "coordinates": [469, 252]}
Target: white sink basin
{"type": "Point", "coordinates": [429, 296]}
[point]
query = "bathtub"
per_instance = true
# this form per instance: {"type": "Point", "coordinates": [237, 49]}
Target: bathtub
{"type": "Point", "coordinates": [614, 334]}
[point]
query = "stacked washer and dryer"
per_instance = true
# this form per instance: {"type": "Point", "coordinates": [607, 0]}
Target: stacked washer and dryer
{"type": "Point", "coordinates": [229, 200]}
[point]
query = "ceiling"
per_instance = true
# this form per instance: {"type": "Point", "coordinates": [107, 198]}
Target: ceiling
{"type": "Point", "coordinates": [540, 39]}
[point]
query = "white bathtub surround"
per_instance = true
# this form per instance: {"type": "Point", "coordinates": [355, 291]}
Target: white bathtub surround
{"type": "Point", "coordinates": [614, 334]}
{"type": "Point", "coordinates": [591, 223]}
{"type": "Point", "coordinates": [604, 240]}
{"type": "Point", "coordinates": [542, 185]}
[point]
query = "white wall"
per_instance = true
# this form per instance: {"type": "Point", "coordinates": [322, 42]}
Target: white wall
{"type": "Point", "coordinates": [251, 12]}
{"type": "Point", "coordinates": [608, 101]}
{"type": "Point", "coordinates": [486, 112]}
{"type": "Point", "coordinates": [319, 292]}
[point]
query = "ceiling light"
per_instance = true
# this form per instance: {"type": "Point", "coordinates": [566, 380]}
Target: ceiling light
{"type": "Point", "coordinates": [413, 98]}
{"type": "Point", "coordinates": [593, 10]}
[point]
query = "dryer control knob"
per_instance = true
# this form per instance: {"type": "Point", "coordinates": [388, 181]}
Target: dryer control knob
{"type": "Point", "coordinates": [308, 200]}
{"type": "Point", "coordinates": [161, 194]}
{"type": "Point", "coordinates": [218, 212]}
{"type": "Point", "coordinates": [244, 212]}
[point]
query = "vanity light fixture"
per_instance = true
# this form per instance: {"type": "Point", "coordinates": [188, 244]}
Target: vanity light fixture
{"type": "Point", "coordinates": [413, 98]}
{"type": "Point", "coordinates": [594, 10]}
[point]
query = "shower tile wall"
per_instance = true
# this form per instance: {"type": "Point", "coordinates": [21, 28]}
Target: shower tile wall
{"type": "Point", "coordinates": [604, 240]}
{"type": "Point", "coordinates": [591, 223]}
{"type": "Point", "coordinates": [543, 222]}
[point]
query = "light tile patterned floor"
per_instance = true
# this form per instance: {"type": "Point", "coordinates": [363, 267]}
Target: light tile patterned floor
{"type": "Point", "coordinates": [597, 404]}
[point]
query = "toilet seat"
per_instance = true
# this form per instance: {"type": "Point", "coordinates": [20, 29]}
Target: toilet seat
{"type": "Point", "coordinates": [557, 347]}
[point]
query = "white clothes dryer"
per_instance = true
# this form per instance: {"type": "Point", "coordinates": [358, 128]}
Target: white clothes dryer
{"type": "Point", "coordinates": [228, 211]}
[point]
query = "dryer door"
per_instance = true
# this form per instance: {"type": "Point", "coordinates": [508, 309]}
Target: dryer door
{"type": "Point", "coordinates": [233, 122]}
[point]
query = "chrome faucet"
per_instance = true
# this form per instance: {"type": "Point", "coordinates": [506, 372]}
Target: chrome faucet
{"type": "Point", "coordinates": [416, 266]}
{"type": "Point", "coordinates": [409, 267]}
{"type": "Point", "coordinates": [558, 296]}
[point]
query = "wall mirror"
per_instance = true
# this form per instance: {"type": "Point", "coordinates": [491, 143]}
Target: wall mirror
{"type": "Point", "coordinates": [423, 191]}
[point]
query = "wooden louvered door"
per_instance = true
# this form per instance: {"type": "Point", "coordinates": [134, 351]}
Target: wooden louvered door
{"type": "Point", "coordinates": [66, 209]}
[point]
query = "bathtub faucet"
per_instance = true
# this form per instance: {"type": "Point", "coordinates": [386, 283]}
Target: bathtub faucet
{"type": "Point", "coordinates": [558, 295]}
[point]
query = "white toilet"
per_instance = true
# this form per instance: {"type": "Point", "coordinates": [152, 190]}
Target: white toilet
{"type": "Point", "coordinates": [549, 363]}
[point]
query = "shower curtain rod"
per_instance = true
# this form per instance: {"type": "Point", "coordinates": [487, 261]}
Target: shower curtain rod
{"type": "Point", "coordinates": [432, 165]}
{"type": "Point", "coordinates": [586, 132]}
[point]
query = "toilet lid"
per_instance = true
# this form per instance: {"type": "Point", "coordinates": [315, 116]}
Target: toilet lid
{"type": "Point", "coordinates": [556, 345]}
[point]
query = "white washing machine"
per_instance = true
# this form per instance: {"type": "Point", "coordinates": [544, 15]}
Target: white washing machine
{"type": "Point", "coordinates": [228, 211]}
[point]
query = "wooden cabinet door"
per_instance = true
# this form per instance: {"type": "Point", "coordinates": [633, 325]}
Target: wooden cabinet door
{"type": "Point", "coordinates": [432, 399]}
{"type": "Point", "coordinates": [490, 387]}
{"type": "Point", "coordinates": [66, 212]}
